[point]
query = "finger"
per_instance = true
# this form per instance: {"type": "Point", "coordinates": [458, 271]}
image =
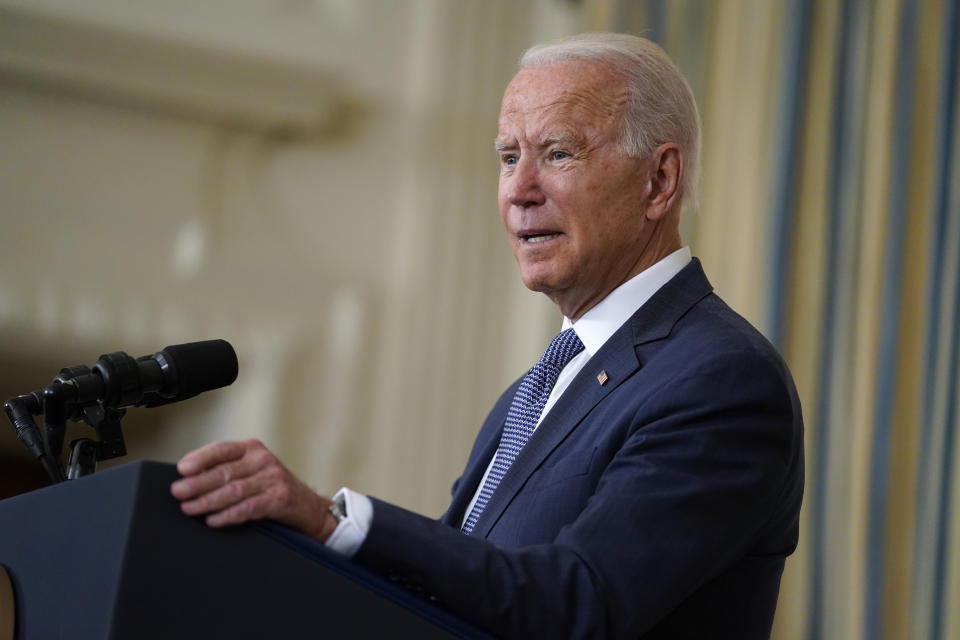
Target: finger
{"type": "Point", "coordinates": [212, 479]}
{"type": "Point", "coordinates": [226, 496]}
{"type": "Point", "coordinates": [255, 507]}
{"type": "Point", "coordinates": [210, 455]}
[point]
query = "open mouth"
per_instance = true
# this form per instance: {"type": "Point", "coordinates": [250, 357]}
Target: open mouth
{"type": "Point", "coordinates": [534, 238]}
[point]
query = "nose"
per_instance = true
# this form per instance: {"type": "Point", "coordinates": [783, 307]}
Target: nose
{"type": "Point", "coordinates": [523, 188]}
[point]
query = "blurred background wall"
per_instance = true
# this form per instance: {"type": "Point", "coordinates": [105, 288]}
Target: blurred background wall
{"type": "Point", "coordinates": [314, 181]}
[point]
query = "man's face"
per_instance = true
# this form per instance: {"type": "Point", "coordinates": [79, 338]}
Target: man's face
{"type": "Point", "coordinates": [571, 200]}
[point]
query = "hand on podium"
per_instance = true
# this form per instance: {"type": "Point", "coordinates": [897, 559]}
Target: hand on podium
{"type": "Point", "coordinates": [235, 482]}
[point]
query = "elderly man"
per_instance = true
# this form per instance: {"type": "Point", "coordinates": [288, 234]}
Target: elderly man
{"type": "Point", "coordinates": [645, 477]}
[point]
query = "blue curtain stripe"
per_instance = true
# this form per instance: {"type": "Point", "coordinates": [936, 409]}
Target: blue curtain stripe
{"type": "Point", "coordinates": [789, 134]}
{"type": "Point", "coordinates": [939, 421]}
{"type": "Point", "coordinates": [842, 144]}
{"type": "Point", "coordinates": [890, 321]}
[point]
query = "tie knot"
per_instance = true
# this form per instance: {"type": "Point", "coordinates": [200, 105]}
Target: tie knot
{"type": "Point", "coordinates": [561, 349]}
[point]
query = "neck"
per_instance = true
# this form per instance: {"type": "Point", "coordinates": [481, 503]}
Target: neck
{"type": "Point", "coordinates": [659, 247]}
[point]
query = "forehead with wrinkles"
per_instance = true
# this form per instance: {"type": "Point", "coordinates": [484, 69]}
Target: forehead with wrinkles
{"type": "Point", "coordinates": [578, 94]}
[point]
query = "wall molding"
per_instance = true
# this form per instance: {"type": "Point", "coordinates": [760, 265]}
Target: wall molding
{"type": "Point", "coordinates": [183, 79]}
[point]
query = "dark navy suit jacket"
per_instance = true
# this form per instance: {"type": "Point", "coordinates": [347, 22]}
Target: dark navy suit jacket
{"type": "Point", "coordinates": [660, 504]}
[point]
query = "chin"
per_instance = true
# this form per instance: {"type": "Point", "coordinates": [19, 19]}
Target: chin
{"type": "Point", "coordinates": [532, 283]}
{"type": "Point", "coordinates": [539, 282]}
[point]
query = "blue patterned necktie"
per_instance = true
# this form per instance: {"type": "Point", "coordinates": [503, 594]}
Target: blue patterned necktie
{"type": "Point", "coordinates": [524, 414]}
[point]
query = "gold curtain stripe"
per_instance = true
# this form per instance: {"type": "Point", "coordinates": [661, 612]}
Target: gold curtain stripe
{"type": "Point", "coordinates": [733, 224]}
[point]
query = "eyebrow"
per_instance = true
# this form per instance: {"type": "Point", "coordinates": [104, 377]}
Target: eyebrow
{"type": "Point", "coordinates": [564, 138]}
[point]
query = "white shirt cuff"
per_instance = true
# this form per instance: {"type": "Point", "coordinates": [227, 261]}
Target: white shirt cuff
{"type": "Point", "coordinates": [352, 530]}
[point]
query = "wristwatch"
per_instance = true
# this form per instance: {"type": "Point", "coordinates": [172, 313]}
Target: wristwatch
{"type": "Point", "coordinates": [339, 509]}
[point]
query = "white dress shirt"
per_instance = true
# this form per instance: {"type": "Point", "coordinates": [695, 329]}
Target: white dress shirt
{"type": "Point", "coordinates": [593, 328]}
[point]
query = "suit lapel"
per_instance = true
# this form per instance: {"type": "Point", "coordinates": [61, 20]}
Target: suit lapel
{"type": "Point", "coordinates": [578, 399]}
{"type": "Point", "coordinates": [655, 319]}
{"type": "Point", "coordinates": [618, 358]}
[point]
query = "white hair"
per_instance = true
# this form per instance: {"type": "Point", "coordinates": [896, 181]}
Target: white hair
{"type": "Point", "coordinates": [660, 105]}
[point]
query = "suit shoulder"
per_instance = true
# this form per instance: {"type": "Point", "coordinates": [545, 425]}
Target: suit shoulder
{"type": "Point", "coordinates": [712, 340]}
{"type": "Point", "coordinates": [715, 330]}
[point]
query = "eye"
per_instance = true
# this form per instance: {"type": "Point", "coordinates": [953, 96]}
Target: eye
{"type": "Point", "coordinates": [559, 155]}
{"type": "Point", "coordinates": [508, 160]}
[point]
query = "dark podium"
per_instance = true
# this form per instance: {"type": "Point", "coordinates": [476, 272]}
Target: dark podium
{"type": "Point", "coordinates": [111, 556]}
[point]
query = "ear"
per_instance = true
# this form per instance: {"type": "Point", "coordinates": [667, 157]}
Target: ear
{"type": "Point", "coordinates": [666, 171]}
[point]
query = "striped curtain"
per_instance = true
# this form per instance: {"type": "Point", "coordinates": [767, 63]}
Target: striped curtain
{"type": "Point", "coordinates": [830, 216]}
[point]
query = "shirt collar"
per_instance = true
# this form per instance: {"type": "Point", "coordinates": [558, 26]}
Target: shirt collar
{"type": "Point", "coordinates": [600, 322]}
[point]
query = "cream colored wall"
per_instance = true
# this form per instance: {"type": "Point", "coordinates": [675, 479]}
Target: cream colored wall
{"type": "Point", "coordinates": [356, 264]}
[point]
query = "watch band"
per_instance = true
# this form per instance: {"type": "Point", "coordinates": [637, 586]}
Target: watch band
{"type": "Point", "coordinates": [339, 510]}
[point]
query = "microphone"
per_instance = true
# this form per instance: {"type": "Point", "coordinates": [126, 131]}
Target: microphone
{"type": "Point", "coordinates": [99, 396]}
{"type": "Point", "coordinates": [176, 373]}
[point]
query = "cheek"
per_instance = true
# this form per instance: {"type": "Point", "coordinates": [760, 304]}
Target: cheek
{"type": "Point", "coordinates": [502, 200]}
{"type": "Point", "coordinates": [503, 208]}
{"type": "Point", "coordinates": [567, 195]}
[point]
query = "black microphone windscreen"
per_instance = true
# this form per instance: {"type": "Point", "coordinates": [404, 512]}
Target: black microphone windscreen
{"type": "Point", "coordinates": [202, 366]}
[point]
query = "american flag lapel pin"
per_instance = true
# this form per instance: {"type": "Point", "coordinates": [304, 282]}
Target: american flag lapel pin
{"type": "Point", "coordinates": [602, 378]}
